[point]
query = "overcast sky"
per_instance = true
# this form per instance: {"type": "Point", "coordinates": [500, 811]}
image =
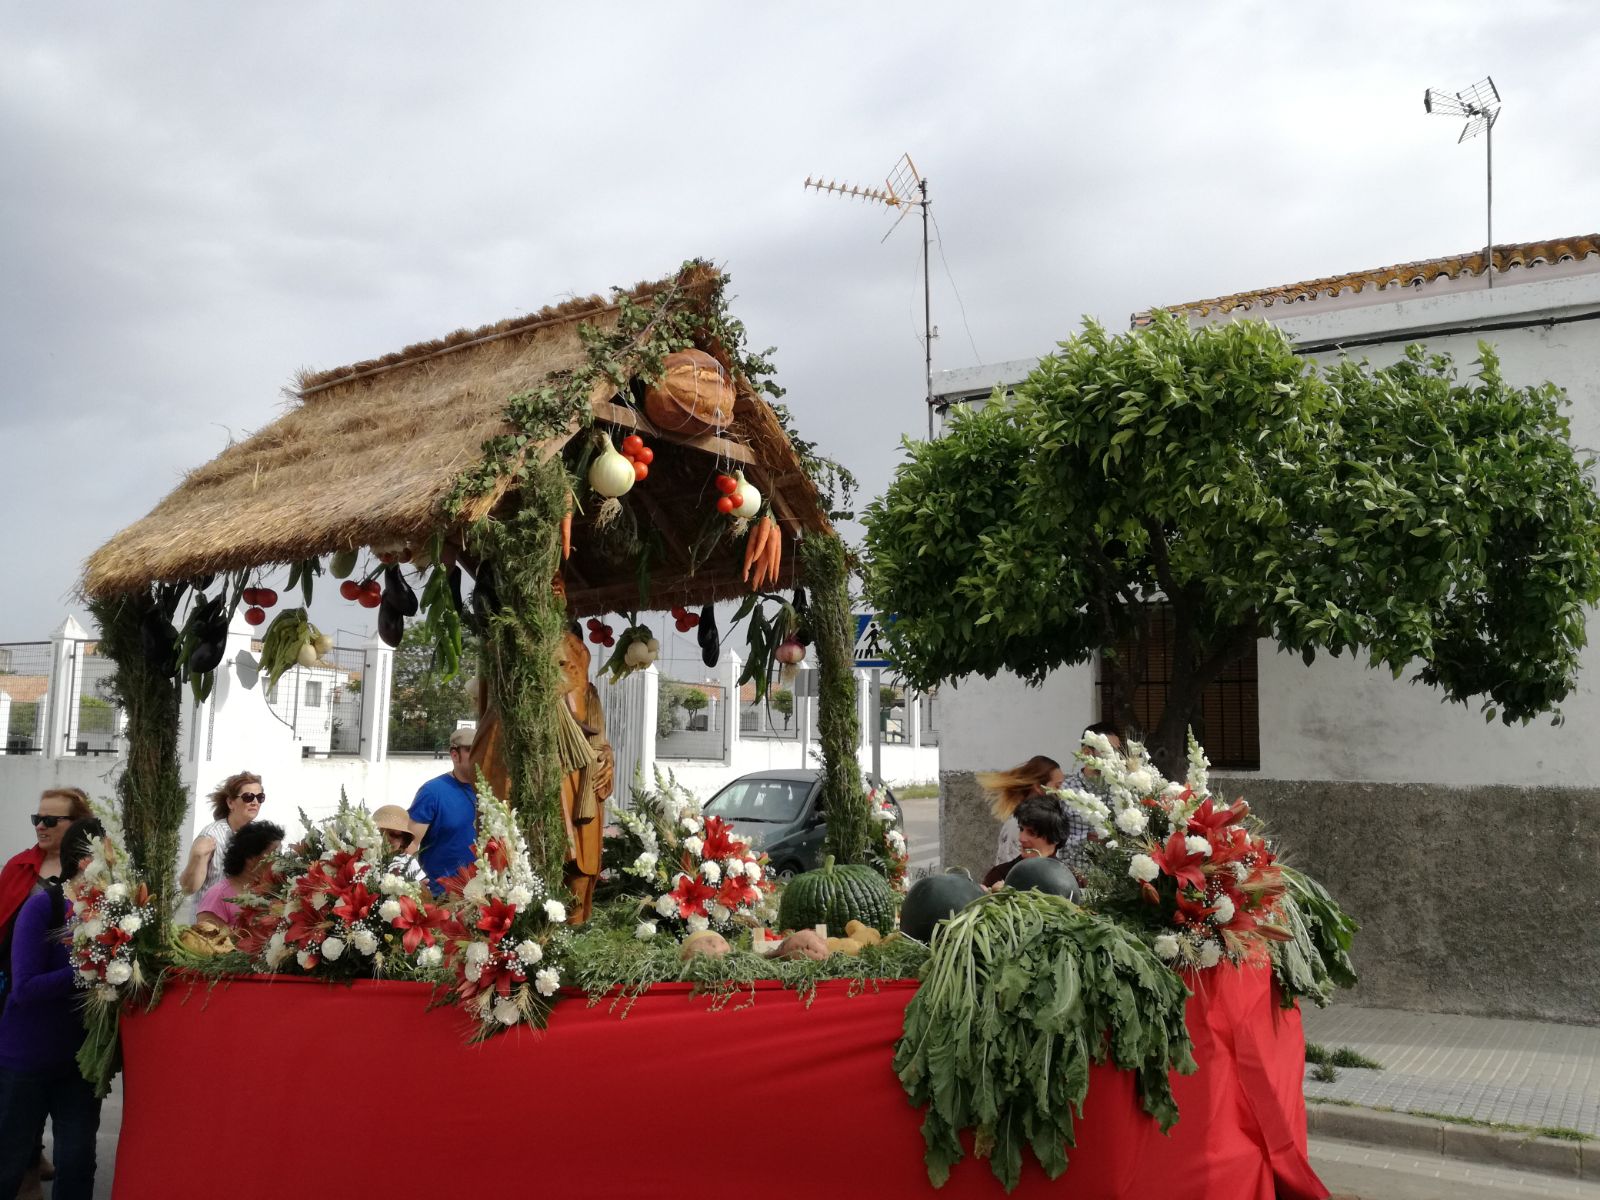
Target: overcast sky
{"type": "Point", "coordinates": [197, 200]}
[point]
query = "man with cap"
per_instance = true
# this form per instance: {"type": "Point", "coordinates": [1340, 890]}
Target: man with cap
{"type": "Point", "coordinates": [445, 814]}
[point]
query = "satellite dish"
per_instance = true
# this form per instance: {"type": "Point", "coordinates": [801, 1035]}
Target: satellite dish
{"type": "Point", "coordinates": [247, 669]}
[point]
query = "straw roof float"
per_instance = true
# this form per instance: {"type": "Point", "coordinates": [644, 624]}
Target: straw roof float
{"type": "Point", "coordinates": [366, 455]}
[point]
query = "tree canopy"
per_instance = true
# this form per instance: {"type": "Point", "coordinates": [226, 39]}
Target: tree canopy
{"type": "Point", "coordinates": [1401, 511]}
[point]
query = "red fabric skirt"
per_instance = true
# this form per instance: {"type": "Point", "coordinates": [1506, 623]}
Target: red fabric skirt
{"type": "Point", "coordinates": [326, 1090]}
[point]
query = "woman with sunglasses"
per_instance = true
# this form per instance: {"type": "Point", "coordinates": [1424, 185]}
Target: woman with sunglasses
{"type": "Point", "coordinates": [236, 802]}
{"type": "Point", "coordinates": [40, 865]}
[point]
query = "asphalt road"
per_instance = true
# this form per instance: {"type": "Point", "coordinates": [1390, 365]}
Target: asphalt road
{"type": "Point", "coordinates": [1377, 1173]}
{"type": "Point", "coordinates": [922, 832]}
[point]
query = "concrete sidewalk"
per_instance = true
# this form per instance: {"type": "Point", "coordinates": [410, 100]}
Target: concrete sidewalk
{"type": "Point", "coordinates": [1524, 1073]}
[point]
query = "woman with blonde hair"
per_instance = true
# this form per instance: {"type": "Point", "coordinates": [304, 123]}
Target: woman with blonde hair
{"type": "Point", "coordinates": [1007, 789]}
{"type": "Point", "coordinates": [235, 803]}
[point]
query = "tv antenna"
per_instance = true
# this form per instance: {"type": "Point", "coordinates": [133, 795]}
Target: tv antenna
{"type": "Point", "coordinates": [904, 189]}
{"type": "Point", "coordinates": [1480, 105]}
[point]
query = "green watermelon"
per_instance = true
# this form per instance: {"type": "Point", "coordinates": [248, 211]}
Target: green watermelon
{"type": "Point", "coordinates": [835, 896]}
{"type": "Point", "coordinates": [934, 898]}
{"type": "Point", "coordinates": [1044, 875]}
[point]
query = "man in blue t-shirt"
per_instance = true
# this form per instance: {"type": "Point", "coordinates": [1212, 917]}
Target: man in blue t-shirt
{"type": "Point", "coordinates": [444, 816]}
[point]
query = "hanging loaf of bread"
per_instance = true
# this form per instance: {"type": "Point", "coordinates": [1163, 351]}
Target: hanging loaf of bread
{"type": "Point", "coordinates": [694, 394]}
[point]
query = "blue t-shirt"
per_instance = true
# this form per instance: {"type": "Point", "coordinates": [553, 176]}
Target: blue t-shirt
{"type": "Point", "coordinates": [450, 810]}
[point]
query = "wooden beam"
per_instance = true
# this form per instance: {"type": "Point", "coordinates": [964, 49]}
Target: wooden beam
{"type": "Point", "coordinates": [630, 418]}
{"type": "Point", "coordinates": [617, 597]}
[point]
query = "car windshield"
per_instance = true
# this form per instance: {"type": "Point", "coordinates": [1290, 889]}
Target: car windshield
{"type": "Point", "coordinates": [775, 801]}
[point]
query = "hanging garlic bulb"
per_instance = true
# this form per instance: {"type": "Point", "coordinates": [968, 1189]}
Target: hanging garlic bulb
{"type": "Point", "coordinates": [747, 492]}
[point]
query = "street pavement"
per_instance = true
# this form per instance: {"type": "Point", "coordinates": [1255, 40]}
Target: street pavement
{"type": "Point", "coordinates": [1378, 1173]}
{"type": "Point", "coordinates": [922, 834]}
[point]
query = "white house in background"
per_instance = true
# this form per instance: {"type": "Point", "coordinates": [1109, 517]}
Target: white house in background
{"type": "Point", "coordinates": [1337, 719]}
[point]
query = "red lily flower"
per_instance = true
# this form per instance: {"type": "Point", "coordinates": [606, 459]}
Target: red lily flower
{"type": "Point", "coordinates": [736, 890]}
{"type": "Point", "coordinates": [1208, 819]}
{"type": "Point", "coordinates": [455, 884]}
{"type": "Point", "coordinates": [719, 840]}
{"type": "Point", "coordinates": [1228, 845]}
{"type": "Point", "coordinates": [114, 938]}
{"type": "Point", "coordinates": [1175, 860]}
{"type": "Point", "coordinates": [693, 895]}
{"type": "Point", "coordinates": [1192, 910]}
{"type": "Point", "coordinates": [355, 905]}
{"type": "Point", "coordinates": [494, 852]}
{"type": "Point", "coordinates": [416, 921]}
{"type": "Point", "coordinates": [307, 927]}
{"type": "Point", "coordinates": [496, 919]}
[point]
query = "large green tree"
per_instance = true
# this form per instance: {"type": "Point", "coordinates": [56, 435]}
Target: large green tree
{"type": "Point", "coordinates": [1403, 512]}
{"type": "Point", "coordinates": [424, 707]}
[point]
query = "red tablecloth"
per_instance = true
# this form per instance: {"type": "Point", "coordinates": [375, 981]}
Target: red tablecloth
{"type": "Point", "coordinates": [288, 1087]}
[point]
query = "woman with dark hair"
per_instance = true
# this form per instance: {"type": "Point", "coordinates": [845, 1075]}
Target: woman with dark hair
{"type": "Point", "coordinates": [1041, 830]}
{"type": "Point", "coordinates": [40, 1032]}
{"type": "Point", "coordinates": [30, 872]}
{"type": "Point", "coordinates": [245, 862]}
{"type": "Point", "coordinates": [235, 803]}
{"type": "Point", "coordinates": [1008, 789]}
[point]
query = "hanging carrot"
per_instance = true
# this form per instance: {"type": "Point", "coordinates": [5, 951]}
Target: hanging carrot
{"type": "Point", "coordinates": [753, 547]}
{"type": "Point", "coordinates": [566, 536]}
{"type": "Point", "coordinates": [776, 551]}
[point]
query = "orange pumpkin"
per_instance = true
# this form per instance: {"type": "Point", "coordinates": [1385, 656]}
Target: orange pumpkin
{"type": "Point", "coordinates": [694, 394]}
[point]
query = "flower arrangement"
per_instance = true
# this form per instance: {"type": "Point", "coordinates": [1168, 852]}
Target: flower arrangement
{"type": "Point", "coordinates": [692, 871]}
{"type": "Point", "coordinates": [503, 937]}
{"type": "Point", "coordinates": [1196, 875]}
{"type": "Point", "coordinates": [111, 928]}
{"type": "Point", "coordinates": [887, 852]}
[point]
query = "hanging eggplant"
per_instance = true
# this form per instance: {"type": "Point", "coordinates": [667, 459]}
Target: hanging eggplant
{"type": "Point", "coordinates": [158, 640]}
{"type": "Point", "coordinates": [391, 623]}
{"type": "Point", "coordinates": [397, 591]}
{"type": "Point", "coordinates": [207, 657]}
{"type": "Point", "coordinates": [710, 640]}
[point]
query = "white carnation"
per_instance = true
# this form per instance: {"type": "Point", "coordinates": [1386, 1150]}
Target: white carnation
{"type": "Point", "coordinates": [644, 930]}
{"type": "Point", "coordinates": [720, 914]}
{"type": "Point", "coordinates": [478, 953]}
{"type": "Point", "coordinates": [697, 924]}
{"type": "Point", "coordinates": [519, 897]}
{"type": "Point", "coordinates": [667, 906]}
{"type": "Point", "coordinates": [1166, 946]}
{"type": "Point", "coordinates": [389, 909]}
{"type": "Point", "coordinates": [365, 942]}
{"type": "Point", "coordinates": [646, 862]}
{"type": "Point", "coordinates": [547, 981]}
{"type": "Point", "coordinates": [89, 975]}
{"type": "Point", "coordinates": [711, 872]}
{"type": "Point", "coordinates": [555, 910]}
{"type": "Point", "coordinates": [131, 923]}
{"type": "Point", "coordinates": [1132, 821]}
{"type": "Point", "coordinates": [277, 950]}
{"type": "Point", "coordinates": [529, 951]}
{"type": "Point", "coordinates": [1174, 789]}
{"type": "Point", "coordinates": [752, 870]}
{"type": "Point", "coordinates": [306, 959]}
{"type": "Point", "coordinates": [1225, 910]}
{"type": "Point", "coordinates": [1210, 954]}
{"type": "Point", "coordinates": [1140, 781]}
{"type": "Point", "coordinates": [691, 825]}
{"type": "Point", "coordinates": [332, 949]}
{"type": "Point", "coordinates": [1143, 868]}
{"type": "Point", "coordinates": [118, 972]}
{"type": "Point", "coordinates": [476, 891]}
{"type": "Point", "coordinates": [694, 845]}
{"type": "Point", "coordinates": [430, 956]}
{"type": "Point", "coordinates": [116, 893]}
{"type": "Point", "coordinates": [391, 885]}
{"type": "Point", "coordinates": [506, 1011]}
{"type": "Point", "coordinates": [897, 841]}
{"type": "Point", "coordinates": [1197, 845]}
{"type": "Point", "coordinates": [92, 928]}
{"type": "Point", "coordinates": [319, 901]}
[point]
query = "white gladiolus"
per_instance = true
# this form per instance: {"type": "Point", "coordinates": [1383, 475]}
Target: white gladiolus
{"type": "Point", "coordinates": [118, 973]}
{"type": "Point", "coordinates": [1143, 868]}
{"type": "Point", "coordinates": [430, 956]}
{"type": "Point", "coordinates": [365, 942]}
{"type": "Point", "coordinates": [555, 910]}
{"type": "Point", "coordinates": [389, 909]}
{"type": "Point", "coordinates": [506, 1011]}
{"type": "Point", "coordinates": [333, 949]}
{"type": "Point", "coordinates": [1195, 844]}
{"type": "Point", "coordinates": [646, 862]}
{"type": "Point", "coordinates": [547, 981]}
{"type": "Point", "coordinates": [529, 951]}
{"type": "Point", "coordinates": [1225, 910]}
{"type": "Point", "coordinates": [1166, 946]}
{"type": "Point", "coordinates": [1132, 821]}
{"type": "Point", "coordinates": [1210, 954]}
{"type": "Point", "coordinates": [644, 930]}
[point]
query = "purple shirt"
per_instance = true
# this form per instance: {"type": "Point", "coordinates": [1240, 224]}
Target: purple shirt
{"type": "Point", "coordinates": [40, 1029]}
{"type": "Point", "coordinates": [215, 901]}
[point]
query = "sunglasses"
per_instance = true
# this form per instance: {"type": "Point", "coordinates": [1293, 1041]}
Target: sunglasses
{"type": "Point", "coordinates": [47, 822]}
{"type": "Point", "coordinates": [252, 797]}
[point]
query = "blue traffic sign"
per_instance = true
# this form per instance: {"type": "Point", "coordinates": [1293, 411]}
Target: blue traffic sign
{"type": "Point", "coordinates": [870, 649]}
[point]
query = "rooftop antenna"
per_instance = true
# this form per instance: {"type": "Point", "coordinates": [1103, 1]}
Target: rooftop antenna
{"type": "Point", "coordinates": [904, 189]}
{"type": "Point", "coordinates": [1480, 105]}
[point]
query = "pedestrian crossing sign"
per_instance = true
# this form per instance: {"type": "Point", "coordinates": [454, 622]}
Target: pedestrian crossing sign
{"type": "Point", "coordinates": [871, 649]}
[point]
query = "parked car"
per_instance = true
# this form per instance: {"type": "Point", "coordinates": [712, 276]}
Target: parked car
{"type": "Point", "coordinates": [781, 813]}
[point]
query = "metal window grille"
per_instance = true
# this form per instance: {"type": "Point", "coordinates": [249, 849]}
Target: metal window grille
{"type": "Point", "coordinates": [24, 695]}
{"type": "Point", "coordinates": [1229, 721]}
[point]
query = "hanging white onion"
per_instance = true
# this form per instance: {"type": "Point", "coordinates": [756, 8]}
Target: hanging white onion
{"type": "Point", "coordinates": [747, 493]}
{"type": "Point", "coordinates": [610, 475]}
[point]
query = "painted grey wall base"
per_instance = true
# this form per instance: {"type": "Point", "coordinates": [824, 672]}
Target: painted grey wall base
{"type": "Point", "coordinates": [1483, 900]}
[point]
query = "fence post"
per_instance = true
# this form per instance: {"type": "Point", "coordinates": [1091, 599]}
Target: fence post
{"type": "Point", "coordinates": [649, 711]}
{"type": "Point", "coordinates": [66, 669]}
{"type": "Point", "coordinates": [913, 702]}
{"type": "Point", "coordinates": [5, 719]}
{"type": "Point", "coordinates": [863, 710]}
{"type": "Point", "coordinates": [731, 671]}
{"type": "Point", "coordinates": [377, 690]}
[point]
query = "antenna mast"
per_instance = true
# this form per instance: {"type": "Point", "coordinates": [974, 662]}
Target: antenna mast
{"type": "Point", "coordinates": [904, 189]}
{"type": "Point", "coordinates": [1480, 104]}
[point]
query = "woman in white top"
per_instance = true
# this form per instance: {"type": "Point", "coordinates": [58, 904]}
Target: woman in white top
{"type": "Point", "coordinates": [236, 802]}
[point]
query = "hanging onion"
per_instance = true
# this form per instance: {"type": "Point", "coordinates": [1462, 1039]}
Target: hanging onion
{"type": "Point", "coordinates": [610, 475]}
{"type": "Point", "coordinates": [747, 492]}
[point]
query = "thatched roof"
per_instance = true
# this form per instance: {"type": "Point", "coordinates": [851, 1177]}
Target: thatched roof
{"type": "Point", "coordinates": [366, 454]}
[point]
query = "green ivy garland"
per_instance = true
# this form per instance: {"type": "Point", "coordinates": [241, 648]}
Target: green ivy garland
{"type": "Point", "coordinates": [822, 558]}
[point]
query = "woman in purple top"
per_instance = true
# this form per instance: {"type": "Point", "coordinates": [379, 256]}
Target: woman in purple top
{"type": "Point", "coordinates": [40, 1032]}
{"type": "Point", "coordinates": [249, 857]}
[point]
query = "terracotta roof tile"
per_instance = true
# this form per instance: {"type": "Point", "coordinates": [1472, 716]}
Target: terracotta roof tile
{"type": "Point", "coordinates": [1525, 255]}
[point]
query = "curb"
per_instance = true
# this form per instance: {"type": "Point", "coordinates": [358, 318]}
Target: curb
{"type": "Point", "coordinates": [1401, 1131]}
